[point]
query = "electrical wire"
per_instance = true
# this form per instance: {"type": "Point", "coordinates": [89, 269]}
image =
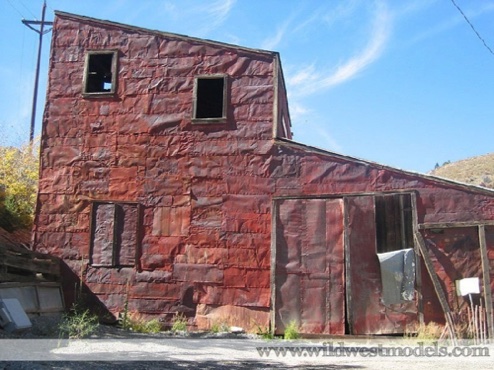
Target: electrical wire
{"type": "Point", "coordinates": [17, 10]}
{"type": "Point", "coordinates": [25, 7]}
{"type": "Point", "coordinates": [473, 28]}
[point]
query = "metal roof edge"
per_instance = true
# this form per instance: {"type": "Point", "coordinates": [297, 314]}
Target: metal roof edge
{"type": "Point", "coordinates": [83, 18]}
{"type": "Point", "coordinates": [441, 180]}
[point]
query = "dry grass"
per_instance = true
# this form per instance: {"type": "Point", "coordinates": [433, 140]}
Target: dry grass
{"type": "Point", "coordinates": [476, 171]}
{"type": "Point", "coordinates": [426, 332]}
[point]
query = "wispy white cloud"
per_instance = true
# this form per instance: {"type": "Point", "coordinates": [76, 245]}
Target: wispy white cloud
{"type": "Point", "coordinates": [220, 9]}
{"type": "Point", "coordinates": [216, 13]}
{"type": "Point", "coordinates": [272, 42]}
{"type": "Point", "coordinates": [328, 141]}
{"type": "Point", "coordinates": [297, 111]}
{"type": "Point", "coordinates": [308, 80]}
{"type": "Point", "coordinates": [311, 129]}
{"type": "Point", "coordinates": [343, 10]}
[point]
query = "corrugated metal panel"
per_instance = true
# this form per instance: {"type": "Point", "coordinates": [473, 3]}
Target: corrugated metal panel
{"type": "Point", "coordinates": [127, 233]}
{"type": "Point", "coordinates": [104, 224]}
{"type": "Point", "coordinates": [367, 312]}
{"type": "Point", "coordinates": [309, 273]}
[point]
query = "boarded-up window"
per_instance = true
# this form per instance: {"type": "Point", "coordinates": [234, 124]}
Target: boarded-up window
{"type": "Point", "coordinates": [393, 222]}
{"type": "Point", "coordinates": [114, 234]}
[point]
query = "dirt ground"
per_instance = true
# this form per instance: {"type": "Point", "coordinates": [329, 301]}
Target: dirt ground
{"type": "Point", "coordinates": [114, 348]}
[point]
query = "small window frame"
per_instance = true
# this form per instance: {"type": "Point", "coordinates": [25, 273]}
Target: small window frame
{"type": "Point", "coordinates": [394, 224]}
{"type": "Point", "coordinates": [114, 72]}
{"type": "Point", "coordinates": [206, 120]}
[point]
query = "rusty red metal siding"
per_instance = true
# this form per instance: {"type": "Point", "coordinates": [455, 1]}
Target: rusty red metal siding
{"type": "Point", "coordinates": [205, 192]}
{"type": "Point", "coordinates": [309, 271]}
{"type": "Point", "coordinates": [203, 188]}
{"type": "Point", "coordinates": [366, 310]}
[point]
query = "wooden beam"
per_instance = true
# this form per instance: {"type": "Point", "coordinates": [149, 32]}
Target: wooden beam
{"type": "Point", "coordinates": [346, 253]}
{"type": "Point", "coordinates": [30, 261]}
{"type": "Point", "coordinates": [418, 272]}
{"type": "Point", "coordinates": [486, 279]}
{"type": "Point", "coordinates": [274, 215]}
{"type": "Point", "coordinates": [446, 225]}
{"type": "Point", "coordinates": [436, 283]}
{"type": "Point", "coordinates": [10, 277]}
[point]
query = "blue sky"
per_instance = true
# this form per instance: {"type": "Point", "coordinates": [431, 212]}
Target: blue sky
{"type": "Point", "coordinates": [406, 83]}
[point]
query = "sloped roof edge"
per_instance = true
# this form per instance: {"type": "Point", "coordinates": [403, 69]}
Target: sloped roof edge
{"type": "Point", "coordinates": [437, 179]}
{"type": "Point", "coordinates": [107, 23]}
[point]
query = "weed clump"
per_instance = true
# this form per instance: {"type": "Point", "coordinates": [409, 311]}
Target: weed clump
{"type": "Point", "coordinates": [179, 323]}
{"type": "Point", "coordinates": [78, 323]}
{"type": "Point", "coordinates": [291, 331]}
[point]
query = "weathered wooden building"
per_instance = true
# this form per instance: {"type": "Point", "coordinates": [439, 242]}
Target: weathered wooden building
{"type": "Point", "coordinates": [170, 183]}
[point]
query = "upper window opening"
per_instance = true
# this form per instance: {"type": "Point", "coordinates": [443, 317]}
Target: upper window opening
{"type": "Point", "coordinates": [100, 74]}
{"type": "Point", "coordinates": [210, 97]}
{"type": "Point", "coordinates": [394, 222]}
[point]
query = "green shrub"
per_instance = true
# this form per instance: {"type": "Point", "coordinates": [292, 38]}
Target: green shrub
{"type": "Point", "coordinates": [291, 331]}
{"type": "Point", "coordinates": [219, 327]}
{"type": "Point", "coordinates": [264, 332]}
{"type": "Point", "coordinates": [179, 323]}
{"type": "Point", "coordinates": [78, 324]}
{"type": "Point", "coordinates": [140, 325]}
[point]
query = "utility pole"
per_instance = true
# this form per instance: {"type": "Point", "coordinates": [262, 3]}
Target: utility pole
{"type": "Point", "coordinates": [41, 31]}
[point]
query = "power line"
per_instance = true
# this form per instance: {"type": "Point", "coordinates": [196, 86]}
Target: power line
{"type": "Point", "coordinates": [472, 26]}
{"type": "Point", "coordinates": [17, 10]}
{"type": "Point", "coordinates": [25, 7]}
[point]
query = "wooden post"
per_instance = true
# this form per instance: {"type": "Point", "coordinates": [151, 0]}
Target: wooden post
{"type": "Point", "coordinates": [486, 280]}
{"type": "Point", "coordinates": [437, 285]}
{"type": "Point", "coordinates": [418, 272]}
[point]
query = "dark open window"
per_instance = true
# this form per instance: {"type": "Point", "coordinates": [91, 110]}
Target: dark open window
{"type": "Point", "coordinates": [100, 72]}
{"type": "Point", "coordinates": [210, 98]}
{"type": "Point", "coordinates": [393, 222]}
{"type": "Point", "coordinates": [114, 234]}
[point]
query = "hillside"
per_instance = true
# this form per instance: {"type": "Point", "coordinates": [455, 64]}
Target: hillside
{"type": "Point", "coordinates": [476, 171]}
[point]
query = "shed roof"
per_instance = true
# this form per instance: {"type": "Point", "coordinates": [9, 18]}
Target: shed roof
{"type": "Point", "coordinates": [436, 179]}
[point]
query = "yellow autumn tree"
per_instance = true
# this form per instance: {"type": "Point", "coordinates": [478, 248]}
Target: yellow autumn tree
{"type": "Point", "coordinates": [18, 185]}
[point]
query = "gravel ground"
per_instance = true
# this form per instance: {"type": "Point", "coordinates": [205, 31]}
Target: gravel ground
{"type": "Point", "coordinates": [114, 348]}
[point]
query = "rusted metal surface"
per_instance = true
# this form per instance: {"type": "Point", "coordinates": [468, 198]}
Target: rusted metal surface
{"type": "Point", "coordinates": [309, 266]}
{"type": "Point", "coordinates": [369, 315]}
{"type": "Point", "coordinates": [455, 253]}
{"type": "Point", "coordinates": [191, 226]}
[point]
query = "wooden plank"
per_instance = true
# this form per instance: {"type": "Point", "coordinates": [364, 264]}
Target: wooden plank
{"type": "Point", "coordinates": [342, 195]}
{"type": "Point", "coordinates": [348, 283]}
{"type": "Point", "coordinates": [9, 277]}
{"type": "Point", "coordinates": [435, 282]}
{"type": "Point", "coordinates": [486, 279]}
{"type": "Point", "coordinates": [418, 272]}
{"type": "Point", "coordinates": [274, 216]}
{"type": "Point", "coordinates": [29, 261]}
{"type": "Point", "coordinates": [276, 115]}
{"type": "Point", "coordinates": [445, 225]}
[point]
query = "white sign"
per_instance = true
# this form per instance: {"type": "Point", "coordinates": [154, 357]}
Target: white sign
{"type": "Point", "coordinates": [467, 286]}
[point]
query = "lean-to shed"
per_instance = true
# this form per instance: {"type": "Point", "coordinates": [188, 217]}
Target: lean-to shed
{"type": "Point", "coordinates": [170, 183]}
